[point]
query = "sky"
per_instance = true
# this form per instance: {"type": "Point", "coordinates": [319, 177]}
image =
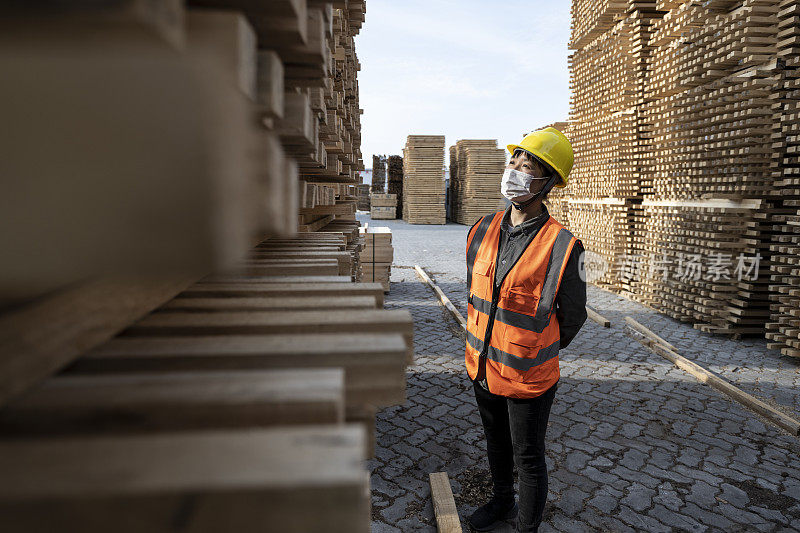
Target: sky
{"type": "Point", "coordinates": [465, 69]}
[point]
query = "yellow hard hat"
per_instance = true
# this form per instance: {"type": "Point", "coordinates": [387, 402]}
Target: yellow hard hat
{"type": "Point", "coordinates": [552, 147]}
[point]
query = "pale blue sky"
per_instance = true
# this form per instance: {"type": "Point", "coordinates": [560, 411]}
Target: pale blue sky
{"type": "Point", "coordinates": [466, 69]}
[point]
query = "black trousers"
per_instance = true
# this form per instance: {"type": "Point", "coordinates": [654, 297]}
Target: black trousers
{"type": "Point", "coordinates": [515, 430]}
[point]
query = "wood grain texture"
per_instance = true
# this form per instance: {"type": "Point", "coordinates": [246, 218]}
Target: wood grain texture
{"type": "Point", "coordinates": [444, 506]}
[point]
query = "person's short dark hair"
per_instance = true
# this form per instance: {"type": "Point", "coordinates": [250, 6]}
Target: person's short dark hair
{"type": "Point", "coordinates": [547, 170]}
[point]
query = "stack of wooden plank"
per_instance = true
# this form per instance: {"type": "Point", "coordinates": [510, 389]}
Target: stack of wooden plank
{"type": "Point", "coordinates": [710, 174]}
{"type": "Point", "coordinates": [251, 393]}
{"type": "Point", "coordinates": [362, 193]}
{"type": "Point", "coordinates": [423, 184]}
{"type": "Point", "coordinates": [783, 328]}
{"type": "Point", "coordinates": [608, 131]}
{"type": "Point", "coordinates": [377, 255]}
{"type": "Point", "coordinates": [378, 174]}
{"type": "Point", "coordinates": [383, 206]}
{"type": "Point", "coordinates": [475, 185]}
{"type": "Point", "coordinates": [673, 118]}
{"type": "Point", "coordinates": [394, 164]}
{"type": "Point", "coordinates": [230, 380]}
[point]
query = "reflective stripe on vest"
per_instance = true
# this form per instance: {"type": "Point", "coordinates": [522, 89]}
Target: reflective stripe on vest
{"type": "Point", "coordinates": [474, 244]}
{"type": "Point", "coordinates": [522, 353]}
{"type": "Point", "coordinates": [514, 361]}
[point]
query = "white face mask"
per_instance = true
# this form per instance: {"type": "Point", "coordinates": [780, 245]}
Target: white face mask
{"type": "Point", "coordinates": [516, 185]}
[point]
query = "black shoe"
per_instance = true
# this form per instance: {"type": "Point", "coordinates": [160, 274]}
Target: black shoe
{"type": "Point", "coordinates": [486, 517]}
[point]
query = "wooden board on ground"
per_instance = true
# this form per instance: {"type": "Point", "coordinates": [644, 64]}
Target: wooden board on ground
{"type": "Point", "coordinates": [444, 506]}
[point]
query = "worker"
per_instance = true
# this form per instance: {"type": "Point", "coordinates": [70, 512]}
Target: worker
{"type": "Point", "coordinates": [527, 300]}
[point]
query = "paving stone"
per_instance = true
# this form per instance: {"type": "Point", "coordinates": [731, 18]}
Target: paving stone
{"type": "Point", "coordinates": [639, 497]}
{"type": "Point", "coordinates": [633, 443]}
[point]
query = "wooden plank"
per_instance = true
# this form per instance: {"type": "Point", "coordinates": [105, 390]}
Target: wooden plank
{"type": "Point", "coordinates": [311, 280]}
{"type": "Point", "coordinates": [44, 336]}
{"type": "Point", "coordinates": [374, 363]}
{"type": "Point", "coordinates": [276, 322]}
{"type": "Point", "coordinates": [444, 505]}
{"type": "Point", "coordinates": [125, 403]}
{"type": "Point", "coordinates": [704, 376]}
{"type": "Point", "coordinates": [649, 334]}
{"type": "Point", "coordinates": [273, 304]}
{"type": "Point", "coordinates": [597, 317]}
{"type": "Point", "coordinates": [200, 482]}
{"type": "Point", "coordinates": [442, 296]}
{"type": "Point", "coordinates": [286, 289]}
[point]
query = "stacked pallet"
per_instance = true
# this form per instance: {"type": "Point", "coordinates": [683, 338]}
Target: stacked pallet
{"type": "Point", "coordinates": [378, 174]}
{"type": "Point", "coordinates": [394, 164]}
{"type": "Point", "coordinates": [376, 257]}
{"type": "Point", "coordinates": [475, 185]}
{"type": "Point", "coordinates": [383, 206]}
{"type": "Point", "coordinates": [423, 184]}
{"type": "Point", "coordinates": [253, 391]}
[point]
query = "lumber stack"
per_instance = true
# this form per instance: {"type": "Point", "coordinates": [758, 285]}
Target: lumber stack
{"type": "Point", "coordinates": [377, 255]}
{"type": "Point", "coordinates": [383, 206]}
{"type": "Point", "coordinates": [134, 397]}
{"type": "Point", "coordinates": [475, 185]}
{"type": "Point", "coordinates": [675, 122]}
{"type": "Point", "coordinates": [362, 195]}
{"type": "Point", "coordinates": [394, 177]}
{"type": "Point", "coordinates": [609, 133]}
{"type": "Point", "coordinates": [378, 174]}
{"type": "Point", "coordinates": [710, 177]}
{"type": "Point", "coordinates": [783, 328]}
{"type": "Point", "coordinates": [280, 356]}
{"type": "Point", "coordinates": [423, 183]}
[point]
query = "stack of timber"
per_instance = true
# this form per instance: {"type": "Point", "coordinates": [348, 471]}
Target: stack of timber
{"type": "Point", "coordinates": [783, 329]}
{"type": "Point", "coordinates": [608, 132]}
{"type": "Point", "coordinates": [423, 183]}
{"type": "Point", "coordinates": [127, 386]}
{"type": "Point", "coordinates": [394, 177]}
{"type": "Point", "coordinates": [707, 215]}
{"type": "Point", "coordinates": [378, 174]}
{"type": "Point", "coordinates": [676, 122]}
{"type": "Point", "coordinates": [475, 185]}
{"type": "Point", "coordinates": [377, 255]}
{"type": "Point", "coordinates": [383, 206]}
{"type": "Point", "coordinates": [362, 194]}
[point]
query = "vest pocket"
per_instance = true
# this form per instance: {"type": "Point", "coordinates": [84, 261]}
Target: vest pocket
{"type": "Point", "coordinates": [521, 350]}
{"type": "Point", "coordinates": [482, 279]}
{"type": "Point", "coordinates": [521, 299]}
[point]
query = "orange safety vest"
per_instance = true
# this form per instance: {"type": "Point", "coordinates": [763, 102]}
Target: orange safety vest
{"type": "Point", "coordinates": [520, 360]}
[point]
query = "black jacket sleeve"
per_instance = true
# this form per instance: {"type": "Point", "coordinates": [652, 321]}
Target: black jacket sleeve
{"type": "Point", "coordinates": [571, 298]}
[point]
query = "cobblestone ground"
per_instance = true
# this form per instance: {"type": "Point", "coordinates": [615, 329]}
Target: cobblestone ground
{"type": "Point", "coordinates": [633, 444]}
